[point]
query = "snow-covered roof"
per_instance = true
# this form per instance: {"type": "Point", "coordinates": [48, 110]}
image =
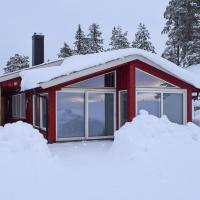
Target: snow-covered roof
{"type": "Point", "coordinates": [194, 69]}
{"type": "Point", "coordinates": [81, 65]}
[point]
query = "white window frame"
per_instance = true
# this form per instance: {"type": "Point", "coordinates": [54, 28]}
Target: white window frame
{"type": "Point", "coordinates": [41, 110]}
{"type": "Point", "coordinates": [119, 106]}
{"type": "Point", "coordinates": [162, 91]}
{"type": "Point", "coordinates": [19, 115]}
{"type": "Point", "coordinates": [86, 92]}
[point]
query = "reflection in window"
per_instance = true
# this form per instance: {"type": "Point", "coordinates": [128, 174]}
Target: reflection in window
{"type": "Point", "coordinates": [173, 107]}
{"type": "Point", "coordinates": [150, 102]}
{"type": "Point", "coordinates": [103, 81]}
{"type": "Point", "coordinates": [70, 115]}
{"type": "Point", "coordinates": [100, 114]}
{"type": "Point", "coordinates": [123, 107]}
{"type": "Point", "coordinates": [146, 80]}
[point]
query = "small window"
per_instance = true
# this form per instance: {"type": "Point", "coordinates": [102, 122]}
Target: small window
{"type": "Point", "coordinates": [43, 111]}
{"type": "Point", "coordinates": [122, 108]}
{"type": "Point", "coordinates": [19, 106]}
{"type": "Point", "coordinates": [146, 80]}
{"type": "Point", "coordinates": [36, 110]}
{"type": "Point", "coordinates": [103, 81]}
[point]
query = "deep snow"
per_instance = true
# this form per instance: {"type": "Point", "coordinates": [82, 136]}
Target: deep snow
{"type": "Point", "coordinates": [151, 158]}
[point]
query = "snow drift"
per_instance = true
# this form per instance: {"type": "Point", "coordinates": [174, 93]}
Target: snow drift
{"type": "Point", "coordinates": [27, 169]}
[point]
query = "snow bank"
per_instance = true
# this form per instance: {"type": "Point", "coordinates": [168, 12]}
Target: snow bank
{"type": "Point", "coordinates": [31, 78]}
{"type": "Point", "coordinates": [162, 158]}
{"type": "Point", "coordinates": [27, 169]}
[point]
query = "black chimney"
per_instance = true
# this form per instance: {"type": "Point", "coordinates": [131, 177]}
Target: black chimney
{"type": "Point", "coordinates": [37, 49]}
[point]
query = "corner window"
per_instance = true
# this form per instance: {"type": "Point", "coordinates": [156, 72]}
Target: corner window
{"type": "Point", "coordinates": [122, 107]}
{"type": "Point", "coordinates": [19, 106]}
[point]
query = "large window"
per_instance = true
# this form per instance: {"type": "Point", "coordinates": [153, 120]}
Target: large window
{"type": "Point", "coordinates": [36, 110]}
{"type": "Point", "coordinates": [19, 106]}
{"type": "Point", "coordinates": [70, 115]}
{"type": "Point", "coordinates": [169, 103]}
{"type": "Point", "coordinates": [103, 81]}
{"type": "Point", "coordinates": [159, 97]}
{"type": "Point", "coordinates": [85, 114]}
{"type": "Point", "coordinates": [100, 114]}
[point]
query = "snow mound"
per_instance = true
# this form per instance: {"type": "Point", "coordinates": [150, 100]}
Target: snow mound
{"type": "Point", "coordinates": [20, 137]}
{"type": "Point", "coordinates": [27, 168]}
{"type": "Point", "coordinates": [147, 133]}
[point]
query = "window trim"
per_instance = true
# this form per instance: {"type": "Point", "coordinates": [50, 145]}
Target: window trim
{"type": "Point", "coordinates": [175, 86]}
{"type": "Point", "coordinates": [119, 106]}
{"type": "Point", "coordinates": [14, 107]}
{"type": "Point", "coordinates": [85, 92]}
{"type": "Point", "coordinates": [162, 91]}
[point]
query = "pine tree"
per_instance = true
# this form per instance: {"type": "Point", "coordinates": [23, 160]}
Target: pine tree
{"type": "Point", "coordinates": [182, 27]}
{"type": "Point", "coordinates": [65, 51]}
{"type": "Point", "coordinates": [142, 39]}
{"type": "Point", "coordinates": [81, 43]}
{"type": "Point", "coordinates": [119, 39]}
{"type": "Point", "coordinates": [95, 41]}
{"type": "Point", "coordinates": [16, 62]}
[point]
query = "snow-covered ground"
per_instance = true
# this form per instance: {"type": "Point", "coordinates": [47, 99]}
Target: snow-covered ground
{"type": "Point", "coordinates": [150, 159]}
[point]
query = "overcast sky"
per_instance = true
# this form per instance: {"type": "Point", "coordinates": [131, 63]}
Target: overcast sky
{"type": "Point", "coordinates": [58, 20]}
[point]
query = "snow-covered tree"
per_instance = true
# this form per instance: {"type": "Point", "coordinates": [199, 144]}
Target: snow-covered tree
{"type": "Point", "coordinates": [183, 30]}
{"type": "Point", "coordinates": [142, 39]}
{"type": "Point", "coordinates": [95, 41]}
{"type": "Point", "coordinates": [81, 42]}
{"type": "Point", "coordinates": [65, 51]}
{"type": "Point", "coordinates": [16, 62]}
{"type": "Point", "coordinates": [119, 39]}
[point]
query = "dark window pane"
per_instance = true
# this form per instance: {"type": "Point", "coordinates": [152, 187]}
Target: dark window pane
{"type": "Point", "coordinates": [107, 80]}
{"type": "Point", "coordinates": [173, 107]}
{"type": "Point", "coordinates": [70, 115]}
{"type": "Point", "coordinates": [146, 80]}
{"type": "Point", "coordinates": [44, 100]}
{"type": "Point", "coordinates": [100, 114]}
{"type": "Point", "coordinates": [150, 102]}
{"type": "Point", "coordinates": [36, 110]}
{"type": "Point", "coordinates": [123, 107]}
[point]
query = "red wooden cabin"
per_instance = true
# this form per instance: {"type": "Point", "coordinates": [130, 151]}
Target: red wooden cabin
{"type": "Point", "coordinates": [89, 97]}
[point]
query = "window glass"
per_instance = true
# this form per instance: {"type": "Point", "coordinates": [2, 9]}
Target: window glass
{"type": "Point", "coordinates": [43, 103]}
{"type": "Point", "coordinates": [173, 107]}
{"type": "Point", "coordinates": [36, 110]}
{"type": "Point", "coordinates": [19, 106]}
{"type": "Point", "coordinates": [70, 115]}
{"type": "Point", "coordinates": [103, 81]}
{"type": "Point", "coordinates": [150, 102]}
{"type": "Point", "coordinates": [146, 80]}
{"type": "Point", "coordinates": [100, 114]}
{"type": "Point", "coordinates": [123, 107]}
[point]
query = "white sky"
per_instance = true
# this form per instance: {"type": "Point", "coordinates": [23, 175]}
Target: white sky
{"type": "Point", "coordinates": [58, 20]}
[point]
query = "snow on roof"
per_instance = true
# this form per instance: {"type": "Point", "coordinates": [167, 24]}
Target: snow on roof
{"type": "Point", "coordinates": [194, 68]}
{"type": "Point", "coordinates": [37, 77]}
